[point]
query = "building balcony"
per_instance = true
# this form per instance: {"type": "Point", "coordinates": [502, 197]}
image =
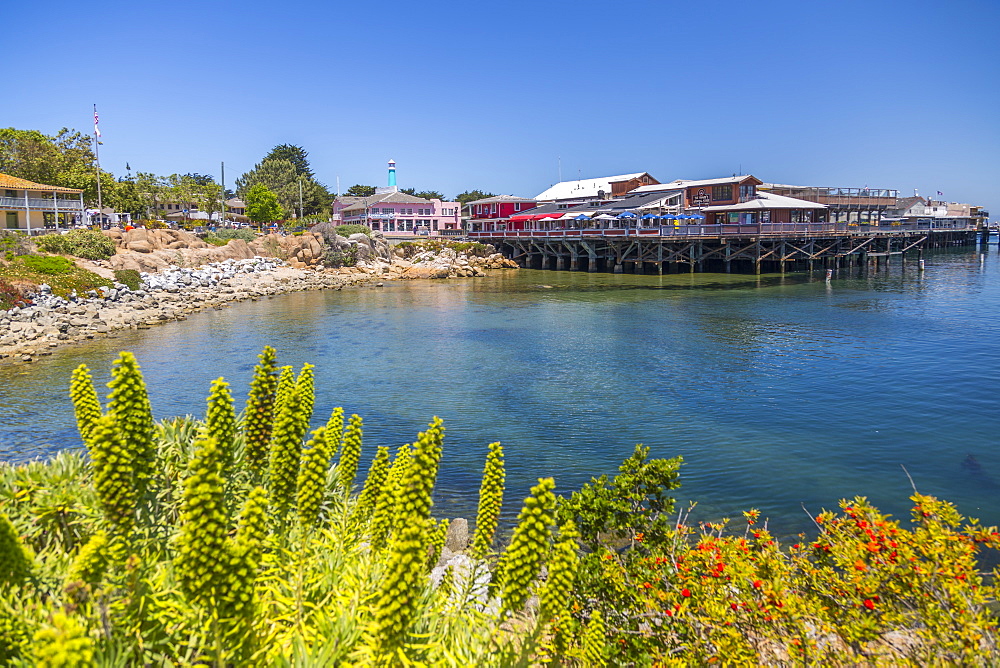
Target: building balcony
{"type": "Point", "coordinates": [40, 204]}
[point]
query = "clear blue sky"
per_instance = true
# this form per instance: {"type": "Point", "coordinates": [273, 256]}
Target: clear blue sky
{"type": "Point", "coordinates": [490, 95]}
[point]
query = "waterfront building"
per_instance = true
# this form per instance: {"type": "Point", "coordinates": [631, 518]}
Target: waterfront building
{"type": "Point", "coordinates": [31, 206]}
{"type": "Point", "coordinates": [395, 213]}
{"type": "Point", "coordinates": [489, 212]}
{"type": "Point", "coordinates": [851, 205]}
{"type": "Point", "coordinates": [698, 194]}
{"type": "Point", "coordinates": [766, 208]}
{"type": "Point", "coordinates": [602, 188]}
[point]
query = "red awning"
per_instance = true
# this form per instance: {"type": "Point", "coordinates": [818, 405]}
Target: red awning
{"type": "Point", "coordinates": [551, 214]}
{"type": "Point", "coordinates": [515, 219]}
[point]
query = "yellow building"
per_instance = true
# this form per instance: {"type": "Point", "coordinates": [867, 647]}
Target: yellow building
{"type": "Point", "coordinates": [29, 206]}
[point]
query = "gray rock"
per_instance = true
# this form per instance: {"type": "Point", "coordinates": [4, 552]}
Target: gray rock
{"type": "Point", "coordinates": [457, 538]}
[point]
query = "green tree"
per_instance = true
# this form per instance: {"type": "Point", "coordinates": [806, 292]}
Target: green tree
{"type": "Point", "coordinates": [359, 190]}
{"type": "Point", "coordinates": [472, 196]}
{"type": "Point", "coordinates": [286, 172]}
{"type": "Point", "coordinates": [66, 159]}
{"type": "Point", "coordinates": [426, 194]}
{"type": "Point", "coordinates": [125, 197]}
{"type": "Point", "coordinates": [262, 204]}
{"type": "Point", "coordinates": [296, 155]}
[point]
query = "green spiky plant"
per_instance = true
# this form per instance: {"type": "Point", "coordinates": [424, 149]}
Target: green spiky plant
{"type": "Point", "coordinates": [490, 501]}
{"type": "Point", "coordinates": [385, 504]}
{"type": "Point", "coordinates": [220, 420]}
{"type": "Point", "coordinates": [286, 445]}
{"type": "Point", "coordinates": [522, 559]}
{"type": "Point", "coordinates": [350, 453]}
{"type": "Point", "coordinates": [335, 430]}
{"type": "Point", "coordinates": [115, 475]}
{"type": "Point", "coordinates": [16, 562]}
{"type": "Point", "coordinates": [86, 405]}
{"type": "Point", "coordinates": [128, 402]}
{"type": "Point", "coordinates": [312, 478]}
{"type": "Point", "coordinates": [377, 474]}
{"type": "Point", "coordinates": [562, 565]}
{"type": "Point", "coordinates": [258, 416]}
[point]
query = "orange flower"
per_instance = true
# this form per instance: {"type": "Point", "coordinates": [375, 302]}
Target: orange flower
{"type": "Point", "coordinates": [860, 566]}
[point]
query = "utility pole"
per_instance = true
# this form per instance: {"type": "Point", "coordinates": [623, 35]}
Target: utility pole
{"type": "Point", "coordinates": [97, 161]}
{"type": "Point", "coordinates": [222, 216]}
{"type": "Point", "coordinates": [300, 198]}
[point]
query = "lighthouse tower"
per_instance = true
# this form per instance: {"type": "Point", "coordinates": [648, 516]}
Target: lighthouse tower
{"type": "Point", "coordinates": [391, 188]}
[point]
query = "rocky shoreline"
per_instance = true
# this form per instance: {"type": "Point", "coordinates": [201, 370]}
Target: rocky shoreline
{"type": "Point", "coordinates": [174, 292]}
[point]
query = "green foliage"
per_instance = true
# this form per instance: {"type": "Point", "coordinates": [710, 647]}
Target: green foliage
{"type": "Point", "coordinates": [130, 278]}
{"type": "Point", "coordinates": [359, 190]}
{"type": "Point", "coordinates": [220, 420]}
{"type": "Point", "coordinates": [262, 204]}
{"type": "Point", "coordinates": [396, 606]}
{"type": "Point", "coordinates": [223, 235]}
{"type": "Point", "coordinates": [14, 243]}
{"type": "Point", "coordinates": [286, 173]}
{"type": "Point", "coordinates": [76, 279]}
{"type": "Point", "coordinates": [490, 501]}
{"type": "Point", "coordinates": [555, 595]}
{"type": "Point", "coordinates": [425, 194]}
{"type": "Point", "coordinates": [91, 562]}
{"type": "Point", "coordinates": [348, 230]}
{"type": "Point", "coordinates": [416, 486]}
{"type": "Point", "coordinates": [636, 501]}
{"type": "Point", "coordinates": [472, 196]}
{"type": "Point", "coordinates": [336, 258]}
{"type": "Point", "coordinates": [88, 244]}
{"type": "Point", "coordinates": [385, 504]}
{"type": "Point", "coordinates": [65, 159]}
{"type": "Point", "coordinates": [411, 248]}
{"type": "Point", "coordinates": [522, 559]}
{"type": "Point", "coordinates": [51, 265]}
{"type": "Point", "coordinates": [115, 473]}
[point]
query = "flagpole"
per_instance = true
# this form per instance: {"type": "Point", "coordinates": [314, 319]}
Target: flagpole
{"type": "Point", "coordinates": [97, 157]}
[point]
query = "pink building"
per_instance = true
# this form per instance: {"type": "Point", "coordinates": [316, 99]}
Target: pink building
{"type": "Point", "coordinates": [399, 213]}
{"type": "Point", "coordinates": [394, 213]}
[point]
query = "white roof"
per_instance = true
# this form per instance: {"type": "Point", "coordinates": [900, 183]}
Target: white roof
{"type": "Point", "coordinates": [584, 187]}
{"type": "Point", "coordinates": [687, 183]}
{"type": "Point", "coordinates": [766, 200]}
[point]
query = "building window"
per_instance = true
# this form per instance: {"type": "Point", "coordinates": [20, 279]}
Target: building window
{"type": "Point", "coordinates": [9, 193]}
{"type": "Point", "coordinates": [747, 193]}
{"type": "Point", "coordinates": [517, 206]}
{"type": "Point", "coordinates": [722, 193]}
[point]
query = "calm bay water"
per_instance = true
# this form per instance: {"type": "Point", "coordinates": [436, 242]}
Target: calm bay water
{"type": "Point", "coordinates": [778, 391]}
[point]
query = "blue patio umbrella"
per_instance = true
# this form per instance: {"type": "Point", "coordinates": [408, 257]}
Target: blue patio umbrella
{"type": "Point", "coordinates": [582, 216]}
{"type": "Point", "coordinates": [649, 216]}
{"type": "Point", "coordinates": [627, 214]}
{"type": "Point", "coordinates": [696, 216]}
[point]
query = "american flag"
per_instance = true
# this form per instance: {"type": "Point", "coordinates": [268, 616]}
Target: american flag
{"type": "Point", "coordinates": [940, 194]}
{"type": "Point", "coordinates": [97, 130]}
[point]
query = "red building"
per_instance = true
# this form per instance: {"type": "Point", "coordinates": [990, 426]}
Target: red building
{"type": "Point", "coordinates": [493, 213]}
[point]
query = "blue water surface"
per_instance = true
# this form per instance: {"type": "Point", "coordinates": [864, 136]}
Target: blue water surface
{"type": "Point", "coordinates": [784, 393]}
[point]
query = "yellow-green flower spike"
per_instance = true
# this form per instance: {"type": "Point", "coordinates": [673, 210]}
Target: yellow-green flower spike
{"type": "Point", "coordinates": [306, 385]}
{"type": "Point", "coordinates": [562, 566]}
{"type": "Point", "coordinates": [385, 504]}
{"type": "Point", "coordinates": [523, 558]}
{"type": "Point", "coordinates": [86, 405]}
{"type": "Point", "coordinates": [63, 644]}
{"type": "Point", "coordinates": [251, 531]}
{"type": "Point", "coordinates": [286, 383]}
{"type": "Point", "coordinates": [335, 430]}
{"type": "Point", "coordinates": [347, 468]}
{"type": "Point", "coordinates": [129, 403]}
{"type": "Point", "coordinates": [594, 640]}
{"type": "Point", "coordinates": [418, 484]}
{"type": "Point", "coordinates": [399, 591]}
{"type": "Point", "coordinates": [438, 535]}
{"type": "Point", "coordinates": [16, 562]}
{"type": "Point", "coordinates": [312, 478]}
{"type": "Point", "coordinates": [91, 561]}
{"type": "Point", "coordinates": [258, 417]}
{"type": "Point", "coordinates": [490, 502]}
{"type": "Point", "coordinates": [286, 447]}
{"type": "Point", "coordinates": [14, 637]}
{"type": "Point", "coordinates": [220, 420]}
{"type": "Point", "coordinates": [114, 473]}
{"type": "Point", "coordinates": [374, 483]}
{"type": "Point", "coordinates": [202, 539]}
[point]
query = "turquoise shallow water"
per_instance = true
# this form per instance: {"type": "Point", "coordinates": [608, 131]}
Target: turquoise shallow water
{"type": "Point", "coordinates": [778, 391]}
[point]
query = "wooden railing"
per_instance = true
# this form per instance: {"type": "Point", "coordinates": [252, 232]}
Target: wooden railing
{"type": "Point", "coordinates": [763, 229]}
{"type": "Point", "coordinates": [40, 204]}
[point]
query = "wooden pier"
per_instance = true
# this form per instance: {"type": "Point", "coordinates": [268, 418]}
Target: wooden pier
{"type": "Point", "coordinates": [720, 248]}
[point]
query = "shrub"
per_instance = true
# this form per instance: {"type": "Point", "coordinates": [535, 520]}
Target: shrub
{"type": "Point", "coordinates": [150, 224]}
{"type": "Point", "coordinates": [348, 230]}
{"type": "Point", "coordinates": [411, 248]}
{"type": "Point", "coordinates": [11, 296]}
{"type": "Point", "coordinates": [336, 258]}
{"type": "Point", "coordinates": [52, 265]}
{"type": "Point", "coordinates": [88, 244]}
{"type": "Point", "coordinates": [129, 277]}
{"type": "Point", "coordinates": [13, 244]}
